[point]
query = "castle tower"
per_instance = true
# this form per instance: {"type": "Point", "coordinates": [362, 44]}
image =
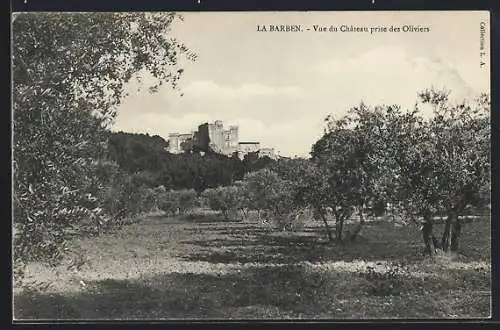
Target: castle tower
{"type": "Point", "coordinates": [234, 139]}
{"type": "Point", "coordinates": [203, 136]}
{"type": "Point", "coordinates": [173, 143]}
{"type": "Point", "coordinates": [216, 135]}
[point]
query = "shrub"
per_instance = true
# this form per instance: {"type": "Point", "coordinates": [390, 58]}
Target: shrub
{"type": "Point", "coordinates": [177, 201]}
{"type": "Point", "coordinates": [167, 202]}
{"type": "Point", "coordinates": [51, 212]}
{"type": "Point", "coordinates": [224, 199]}
{"type": "Point", "coordinates": [267, 191]}
{"type": "Point", "coordinates": [187, 199]}
{"type": "Point", "coordinates": [124, 199]}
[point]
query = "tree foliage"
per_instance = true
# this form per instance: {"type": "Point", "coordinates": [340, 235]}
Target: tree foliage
{"type": "Point", "coordinates": [427, 167]}
{"type": "Point", "coordinates": [141, 153]}
{"type": "Point", "coordinates": [447, 168]}
{"type": "Point", "coordinates": [69, 74]}
{"type": "Point", "coordinates": [226, 199]}
{"type": "Point", "coordinates": [177, 201]}
{"type": "Point", "coordinates": [273, 195]}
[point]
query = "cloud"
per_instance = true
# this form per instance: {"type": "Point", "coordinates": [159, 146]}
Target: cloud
{"type": "Point", "coordinates": [389, 74]}
{"type": "Point", "coordinates": [291, 138]}
{"type": "Point", "coordinates": [286, 110]}
{"type": "Point", "coordinates": [209, 89]}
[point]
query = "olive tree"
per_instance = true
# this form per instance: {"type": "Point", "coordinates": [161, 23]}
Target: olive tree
{"type": "Point", "coordinates": [177, 201]}
{"type": "Point", "coordinates": [348, 156]}
{"type": "Point", "coordinates": [224, 199]}
{"type": "Point", "coordinates": [273, 195]}
{"type": "Point", "coordinates": [459, 158]}
{"type": "Point", "coordinates": [69, 75]}
{"type": "Point", "coordinates": [309, 187]}
{"type": "Point", "coordinates": [440, 164]}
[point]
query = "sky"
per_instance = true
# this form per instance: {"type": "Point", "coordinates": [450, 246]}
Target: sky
{"type": "Point", "coordinates": [279, 86]}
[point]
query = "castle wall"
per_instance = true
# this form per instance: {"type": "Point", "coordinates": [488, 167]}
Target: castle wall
{"type": "Point", "coordinates": [183, 138]}
{"type": "Point", "coordinates": [267, 152]}
{"type": "Point", "coordinates": [247, 147]}
{"type": "Point", "coordinates": [227, 138]}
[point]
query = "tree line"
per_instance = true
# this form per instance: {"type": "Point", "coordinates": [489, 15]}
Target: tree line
{"type": "Point", "coordinates": [145, 157]}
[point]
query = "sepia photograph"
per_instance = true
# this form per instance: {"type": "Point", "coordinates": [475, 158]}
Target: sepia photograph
{"type": "Point", "coordinates": [301, 165]}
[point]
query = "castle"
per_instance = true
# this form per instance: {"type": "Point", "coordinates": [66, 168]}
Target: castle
{"type": "Point", "coordinates": [213, 136]}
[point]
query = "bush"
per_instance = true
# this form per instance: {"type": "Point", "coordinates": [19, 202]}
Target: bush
{"type": "Point", "coordinates": [148, 199]}
{"type": "Point", "coordinates": [124, 199]}
{"type": "Point", "coordinates": [177, 201]}
{"type": "Point", "coordinates": [224, 199]}
{"type": "Point", "coordinates": [187, 200]}
{"type": "Point", "coordinates": [273, 195]}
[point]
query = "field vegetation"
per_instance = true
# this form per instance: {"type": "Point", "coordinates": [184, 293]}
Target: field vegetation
{"type": "Point", "coordinates": [202, 266]}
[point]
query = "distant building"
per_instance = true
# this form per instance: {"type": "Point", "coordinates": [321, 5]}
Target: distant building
{"type": "Point", "coordinates": [176, 141]}
{"type": "Point", "coordinates": [267, 152]}
{"type": "Point", "coordinates": [213, 136]}
{"type": "Point", "coordinates": [248, 147]}
{"type": "Point", "coordinates": [173, 143]}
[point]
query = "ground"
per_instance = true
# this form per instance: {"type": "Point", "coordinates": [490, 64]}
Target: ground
{"type": "Point", "coordinates": [200, 267]}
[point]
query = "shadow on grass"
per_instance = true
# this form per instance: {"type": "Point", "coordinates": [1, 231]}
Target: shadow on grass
{"type": "Point", "coordinates": [176, 296]}
{"type": "Point", "coordinates": [252, 244]}
{"type": "Point", "coordinates": [185, 218]}
{"type": "Point", "coordinates": [377, 241]}
{"type": "Point", "coordinates": [265, 292]}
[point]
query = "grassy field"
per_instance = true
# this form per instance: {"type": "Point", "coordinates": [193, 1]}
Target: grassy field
{"type": "Point", "coordinates": [201, 267]}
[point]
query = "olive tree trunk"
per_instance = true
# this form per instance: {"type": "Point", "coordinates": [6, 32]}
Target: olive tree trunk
{"type": "Point", "coordinates": [325, 222]}
{"type": "Point", "coordinates": [451, 220]}
{"type": "Point", "coordinates": [456, 230]}
{"type": "Point", "coordinates": [428, 235]}
{"type": "Point", "coordinates": [357, 229]}
{"type": "Point", "coordinates": [339, 227]}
